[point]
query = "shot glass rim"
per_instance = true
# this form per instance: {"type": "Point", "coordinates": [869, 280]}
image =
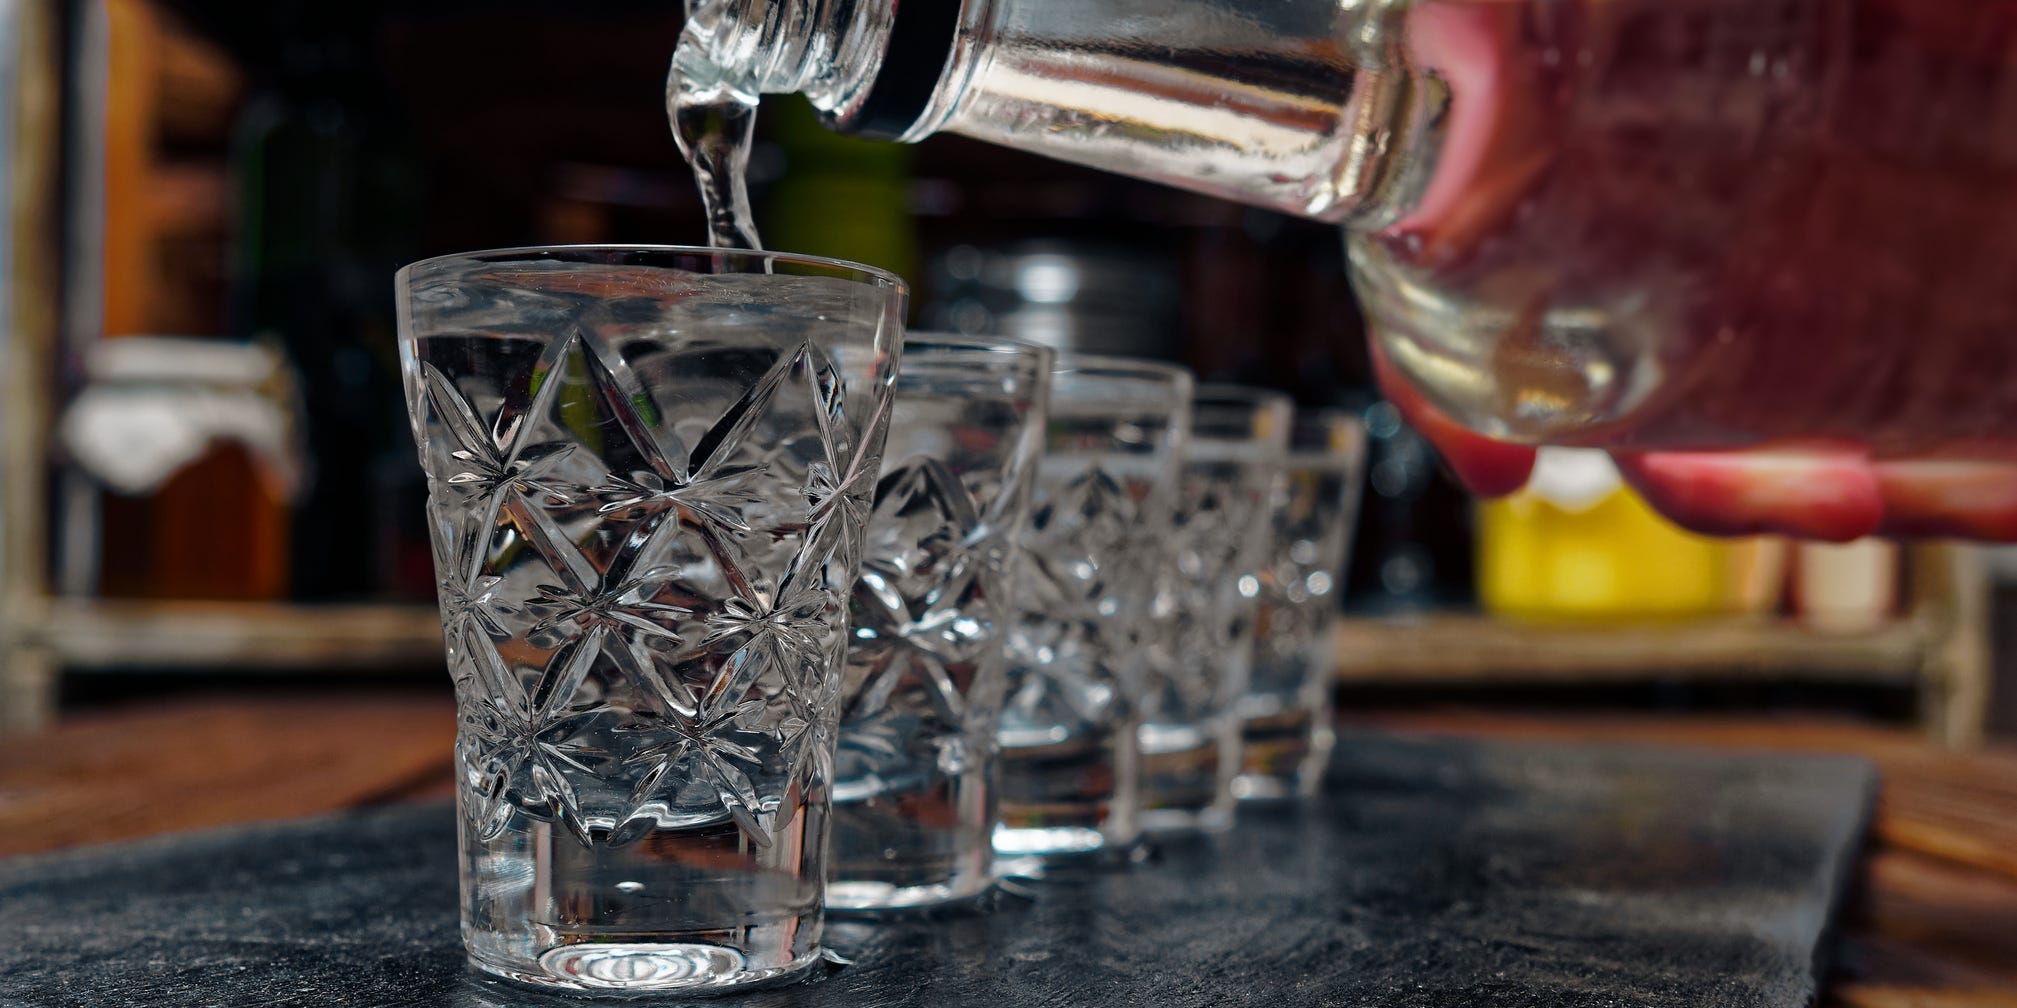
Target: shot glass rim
{"type": "Point", "coordinates": [1328, 414]}
{"type": "Point", "coordinates": [1234, 393]}
{"type": "Point", "coordinates": [1270, 413]}
{"type": "Point", "coordinates": [1128, 367]}
{"type": "Point", "coordinates": [1329, 419]}
{"type": "Point", "coordinates": [874, 275]}
{"type": "Point", "coordinates": [1003, 345]}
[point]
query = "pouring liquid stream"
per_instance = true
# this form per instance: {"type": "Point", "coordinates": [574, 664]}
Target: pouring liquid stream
{"type": "Point", "coordinates": [714, 128]}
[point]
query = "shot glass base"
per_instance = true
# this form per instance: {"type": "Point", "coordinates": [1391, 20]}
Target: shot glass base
{"type": "Point", "coordinates": [1263, 788]}
{"type": "Point", "coordinates": [1029, 855]}
{"type": "Point", "coordinates": [868, 899]}
{"type": "Point", "coordinates": [1184, 787]}
{"type": "Point", "coordinates": [1048, 841]}
{"type": "Point", "coordinates": [1068, 800]}
{"type": "Point", "coordinates": [1284, 754]}
{"type": "Point", "coordinates": [628, 968]}
{"type": "Point", "coordinates": [1165, 821]}
{"type": "Point", "coordinates": [1032, 850]}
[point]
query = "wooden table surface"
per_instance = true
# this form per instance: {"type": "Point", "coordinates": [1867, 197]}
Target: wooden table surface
{"type": "Point", "coordinates": [1935, 925]}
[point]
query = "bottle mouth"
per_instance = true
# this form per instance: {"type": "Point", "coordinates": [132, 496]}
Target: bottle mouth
{"type": "Point", "coordinates": [870, 67]}
{"type": "Point", "coordinates": [745, 48]}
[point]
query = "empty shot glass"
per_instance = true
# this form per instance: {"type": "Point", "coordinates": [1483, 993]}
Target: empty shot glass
{"type": "Point", "coordinates": [1286, 713]}
{"type": "Point", "coordinates": [1201, 637]}
{"type": "Point", "coordinates": [648, 470]}
{"type": "Point", "coordinates": [914, 780]}
{"type": "Point", "coordinates": [1069, 774]}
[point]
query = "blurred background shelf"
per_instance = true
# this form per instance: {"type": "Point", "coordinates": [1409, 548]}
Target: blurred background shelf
{"type": "Point", "coordinates": [1475, 650]}
{"type": "Point", "coordinates": [1938, 646]}
{"type": "Point", "coordinates": [1457, 648]}
{"type": "Point", "coordinates": [91, 635]}
{"type": "Point", "coordinates": [131, 132]}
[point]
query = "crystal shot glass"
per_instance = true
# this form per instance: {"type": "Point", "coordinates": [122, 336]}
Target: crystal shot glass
{"type": "Point", "coordinates": [1070, 772]}
{"type": "Point", "coordinates": [648, 472]}
{"type": "Point", "coordinates": [1285, 715]}
{"type": "Point", "coordinates": [915, 804]}
{"type": "Point", "coordinates": [1201, 634]}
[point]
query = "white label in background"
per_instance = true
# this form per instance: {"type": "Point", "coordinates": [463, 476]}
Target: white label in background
{"type": "Point", "coordinates": [1574, 479]}
{"type": "Point", "coordinates": [1846, 587]}
{"type": "Point", "coordinates": [2002, 561]}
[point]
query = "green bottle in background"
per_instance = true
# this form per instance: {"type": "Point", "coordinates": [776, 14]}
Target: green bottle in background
{"type": "Point", "coordinates": [838, 196]}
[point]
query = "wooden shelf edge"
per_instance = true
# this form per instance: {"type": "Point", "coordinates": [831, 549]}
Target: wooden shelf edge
{"type": "Point", "coordinates": [1439, 648]}
{"type": "Point", "coordinates": [97, 634]}
{"type": "Point", "coordinates": [1470, 649]}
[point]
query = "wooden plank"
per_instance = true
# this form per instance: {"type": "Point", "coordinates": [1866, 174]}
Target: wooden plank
{"type": "Point", "coordinates": [103, 633]}
{"type": "Point", "coordinates": [1893, 996]}
{"type": "Point", "coordinates": [28, 319]}
{"type": "Point", "coordinates": [1952, 589]}
{"type": "Point", "coordinates": [1915, 901]}
{"type": "Point", "coordinates": [193, 764]}
{"type": "Point", "coordinates": [1456, 648]}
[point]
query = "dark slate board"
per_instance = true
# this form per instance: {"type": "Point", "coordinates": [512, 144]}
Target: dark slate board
{"type": "Point", "coordinates": [1434, 872]}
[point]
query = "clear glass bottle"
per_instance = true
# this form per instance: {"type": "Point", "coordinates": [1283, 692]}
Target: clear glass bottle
{"type": "Point", "coordinates": [1673, 224]}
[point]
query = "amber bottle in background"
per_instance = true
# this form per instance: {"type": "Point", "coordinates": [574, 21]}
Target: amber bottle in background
{"type": "Point", "coordinates": [215, 524]}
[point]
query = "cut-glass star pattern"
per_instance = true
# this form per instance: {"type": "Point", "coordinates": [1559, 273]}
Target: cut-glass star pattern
{"type": "Point", "coordinates": [923, 624]}
{"type": "Point", "coordinates": [1073, 647]}
{"type": "Point", "coordinates": [1207, 593]}
{"type": "Point", "coordinates": [642, 625]}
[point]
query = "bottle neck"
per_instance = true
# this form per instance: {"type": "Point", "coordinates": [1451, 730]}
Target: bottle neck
{"type": "Point", "coordinates": [870, 67]}
{"type": "Point", "coordinates": [1303, 106]}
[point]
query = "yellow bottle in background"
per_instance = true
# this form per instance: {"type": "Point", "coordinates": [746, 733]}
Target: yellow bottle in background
{"type": "Point", "coordinates": [1578, 543]}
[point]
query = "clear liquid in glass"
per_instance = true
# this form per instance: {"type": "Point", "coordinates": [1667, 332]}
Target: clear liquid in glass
{"type": "Point", "coordinates": [645, 486]}
{"type": "Point", "coordinates": [914, 794]}
{"type": "Point", "coordinates": [1286, 712]}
